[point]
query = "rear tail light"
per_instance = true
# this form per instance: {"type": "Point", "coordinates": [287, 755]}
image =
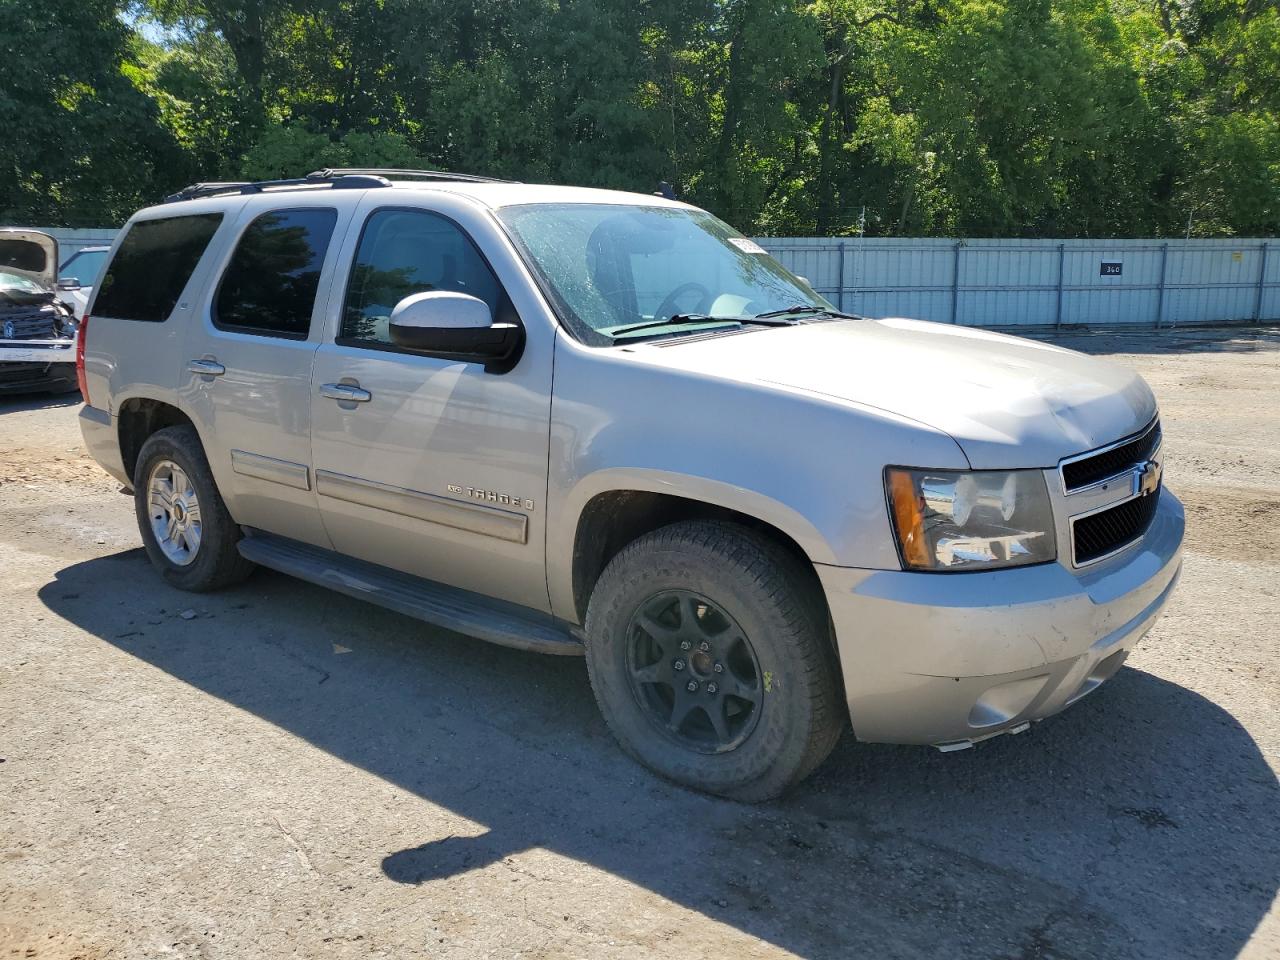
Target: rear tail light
{"type": "Point", "coordinates": [81, 334]}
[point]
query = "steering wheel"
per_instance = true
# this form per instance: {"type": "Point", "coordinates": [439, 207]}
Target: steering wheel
{"type": "Point", "coordinates": [668, 308]}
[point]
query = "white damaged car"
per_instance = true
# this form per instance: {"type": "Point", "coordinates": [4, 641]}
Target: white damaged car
{"type": "Point", "coordinates": [37, 329]}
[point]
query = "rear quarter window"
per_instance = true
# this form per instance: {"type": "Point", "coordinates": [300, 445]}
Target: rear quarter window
{"type": "Point", "coordinates": [152, 266]}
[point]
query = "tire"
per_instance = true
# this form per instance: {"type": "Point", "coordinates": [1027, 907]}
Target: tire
{"type": "Point", "coordinates": [214, 561]}
{"type": "Point", "coordinates": [723, 579]}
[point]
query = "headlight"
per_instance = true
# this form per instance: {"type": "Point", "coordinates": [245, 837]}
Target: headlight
{"type": "Point", "coordinates": [970, 520]}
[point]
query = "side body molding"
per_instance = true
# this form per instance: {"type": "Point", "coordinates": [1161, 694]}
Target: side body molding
{"type": "Point", "coordinates": [472, 517]}
{"type": "Point", "coordinates": [291, 474]}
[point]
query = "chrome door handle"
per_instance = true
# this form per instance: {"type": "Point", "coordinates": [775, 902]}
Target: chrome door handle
{"type": "Point", "coordinates": [345, 391]}
{"type": "Point", "coordinates": [206, 368]}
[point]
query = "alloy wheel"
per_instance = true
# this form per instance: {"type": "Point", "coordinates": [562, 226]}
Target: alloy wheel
{"type": "Point", "coordinates": [174, 510]}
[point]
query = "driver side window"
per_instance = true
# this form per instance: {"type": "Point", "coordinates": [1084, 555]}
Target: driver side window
{"type": "Point", "coordinates": [403, 252]}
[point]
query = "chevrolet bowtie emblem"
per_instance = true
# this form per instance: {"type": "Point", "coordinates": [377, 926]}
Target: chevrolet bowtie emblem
{"type": "Point", "coordinates": [1146, 478]}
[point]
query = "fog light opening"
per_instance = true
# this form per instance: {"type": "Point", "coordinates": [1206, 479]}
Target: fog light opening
{"type": "Point", "coordinates": [1102, 671]}
{"type": "Point", "coordinates": [1002, 703]}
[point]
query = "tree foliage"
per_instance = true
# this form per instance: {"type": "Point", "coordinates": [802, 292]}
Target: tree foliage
{"type": "Point", "coordinates": [893, 117]}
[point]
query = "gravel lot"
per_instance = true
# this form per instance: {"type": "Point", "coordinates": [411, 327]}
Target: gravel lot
{"type": "Point", "coordinates": [279, 771]}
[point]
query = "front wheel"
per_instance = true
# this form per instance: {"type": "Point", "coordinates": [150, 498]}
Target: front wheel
{"type": "Point", "coordinates": [709, 654]}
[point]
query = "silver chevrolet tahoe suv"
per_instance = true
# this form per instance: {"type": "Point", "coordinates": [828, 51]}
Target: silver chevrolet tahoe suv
{"type": "Point", "coordinates": [585, 422]}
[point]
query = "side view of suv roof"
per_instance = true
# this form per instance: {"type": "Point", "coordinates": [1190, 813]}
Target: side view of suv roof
{"type": "Point", "coordinates": [603, 424]}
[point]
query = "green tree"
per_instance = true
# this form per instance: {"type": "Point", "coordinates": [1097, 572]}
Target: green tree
{"type": "Point", "coordinates": [84, 143]}
{"type": "Point", "coordinates": [986, 117]}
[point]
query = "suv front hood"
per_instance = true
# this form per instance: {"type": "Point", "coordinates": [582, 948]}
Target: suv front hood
{"type": "Point", "coordinates": [30, 254]}
{"type": "Point", "coordinates": [1008, 402]}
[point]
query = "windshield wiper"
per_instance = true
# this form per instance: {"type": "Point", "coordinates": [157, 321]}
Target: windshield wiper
{"type": "Point", "coordinates": [806, 308]}
{"type": "Point", "coordinates": [770, 318]}
{"type": "Point", "coordinates": [675, 320]}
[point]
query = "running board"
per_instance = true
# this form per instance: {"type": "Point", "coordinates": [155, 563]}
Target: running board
{"type": "Point", "coordinates": [497, 621]}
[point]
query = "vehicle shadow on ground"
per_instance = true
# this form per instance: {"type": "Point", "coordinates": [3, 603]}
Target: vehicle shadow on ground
{"type": "Point", "coordinates": [20, 402]}
{"type": "Point", "coordinates": [1143, 822]}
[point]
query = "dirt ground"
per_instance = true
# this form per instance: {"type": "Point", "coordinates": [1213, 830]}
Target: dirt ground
{"type": "Point", "coordinates": [278, 771]}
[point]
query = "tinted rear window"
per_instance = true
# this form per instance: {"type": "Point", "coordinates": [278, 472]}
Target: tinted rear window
{"type": "Point", "coordinates": [22, 254]}
{"type": "Point", "coordinates": [152, 266]}
{"type": "Point", "coordinates": [270, 284]}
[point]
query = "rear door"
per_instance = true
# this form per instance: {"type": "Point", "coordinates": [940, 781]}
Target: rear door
{"type": "Point", "coordinates": [247, 371]}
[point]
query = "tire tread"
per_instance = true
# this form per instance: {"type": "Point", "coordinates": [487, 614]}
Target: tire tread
{"type": "Point", "coordinates": [774, 575]}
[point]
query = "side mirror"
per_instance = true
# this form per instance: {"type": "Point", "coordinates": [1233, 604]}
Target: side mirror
{"type": "Point", "coordinates": [453, 326]}
{"type": "Point", "coordinates": [68, 283]}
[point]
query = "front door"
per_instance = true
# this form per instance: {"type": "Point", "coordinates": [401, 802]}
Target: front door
{"type": "Point", "coordinates": [247, 376]}
{"type": "Point", "coordinates": [433, 467]}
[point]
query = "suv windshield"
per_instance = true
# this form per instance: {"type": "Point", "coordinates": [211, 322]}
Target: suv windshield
{"type": "Point", "coordinates": [614, 269]}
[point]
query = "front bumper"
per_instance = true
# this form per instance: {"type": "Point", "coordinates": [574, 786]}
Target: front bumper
{"type": "Point", "coordinates": [27, 365]}
{"type": "Point", "coordinates": [38, 351]}
{"type": "Point", "coordinates": [950, 659]}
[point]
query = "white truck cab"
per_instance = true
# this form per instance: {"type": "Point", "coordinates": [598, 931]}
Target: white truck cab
{"type": "Point", "coordinates": [588, 422]}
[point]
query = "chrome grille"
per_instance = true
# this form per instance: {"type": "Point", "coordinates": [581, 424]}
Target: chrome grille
{"type": "Point", "coordinates": [1101, 534]}
{"type": "Point", "coordinates": [1088, 469]}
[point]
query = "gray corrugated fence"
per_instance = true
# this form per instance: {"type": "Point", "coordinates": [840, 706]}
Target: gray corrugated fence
{"type": "Point", "coordinates": [1019, 283]}
{"type": "Point", "coordinates": [69, 241]}
{"type": "Point", "coordinates": [1043, 283]}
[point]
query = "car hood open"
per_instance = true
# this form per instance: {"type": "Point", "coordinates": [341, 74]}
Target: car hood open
{"type": "Point", "coordinates": [30, 254]}
{"type": "Point", "coordinates": [1009, 402]}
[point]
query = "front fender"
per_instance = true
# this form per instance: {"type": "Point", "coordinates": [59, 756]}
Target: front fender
{"type": "Point", "coordinates": [810, 466]}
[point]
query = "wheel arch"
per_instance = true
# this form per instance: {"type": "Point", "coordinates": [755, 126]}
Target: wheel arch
{"type": "Point", "coordinates": [611, 515]}
{"type": "Point", "coordinates": [137, 418]}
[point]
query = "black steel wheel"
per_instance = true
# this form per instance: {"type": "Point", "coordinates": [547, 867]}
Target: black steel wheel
{"type": "Point", "coordinates": [693, 671]}
{"type": "Point", "coordinates": [710, 655]}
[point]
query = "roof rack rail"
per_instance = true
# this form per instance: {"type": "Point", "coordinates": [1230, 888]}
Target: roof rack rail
{"type": "Point", "coordinates": [335, 179]}
{"type": "Point", "coordinates": [398, 172]}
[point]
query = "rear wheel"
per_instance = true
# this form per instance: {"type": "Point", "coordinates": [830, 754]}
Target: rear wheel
{"type": "Point", "coordinates": [186, 529]}
{"type": "Point", "coordinates": [709, 655]}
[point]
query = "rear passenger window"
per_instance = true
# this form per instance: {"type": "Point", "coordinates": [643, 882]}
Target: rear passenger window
{"type": "Point", "coordinates": [403, 252]}
{"type": "Point", "coordinates": [269, 287]}
{"type": "Point", "coordinates": [152, 266]}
